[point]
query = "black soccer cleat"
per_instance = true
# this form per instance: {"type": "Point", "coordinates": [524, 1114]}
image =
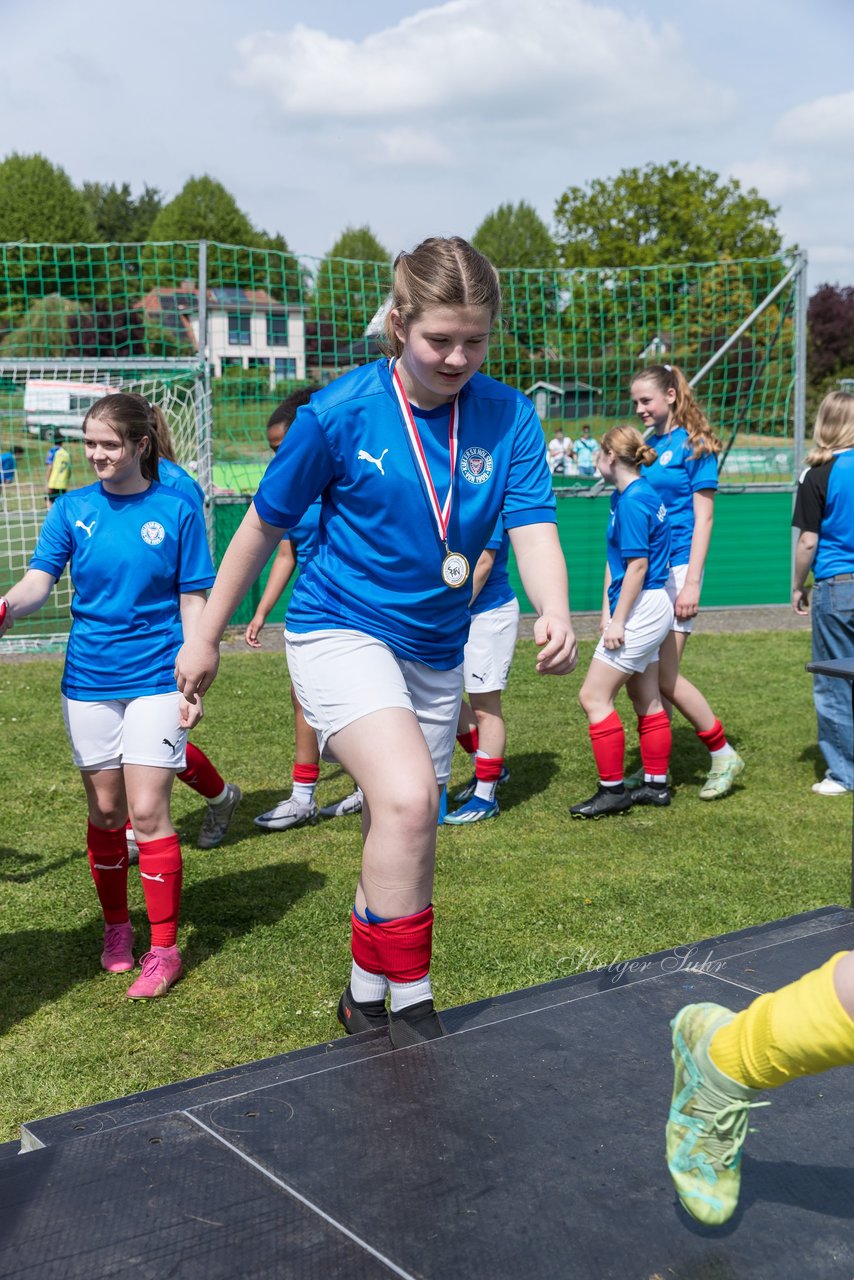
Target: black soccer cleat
{"type": "Point", "coordinates": [648, 793]}
{"type": "Point", "coordinates": [414, 1025]}
{"type": "Point", "coordinates": [607, 800]}
{"type": "Point", "coordinates": [369, 1016]}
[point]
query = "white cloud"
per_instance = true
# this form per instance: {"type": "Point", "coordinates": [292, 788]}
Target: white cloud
{"type": "Point", "coordinates": [773, 180]}
{"type": "Point", "coordinates": [831, 255]}
{"type": "Point", "coordinates": [823, 122]}
{"type": "Point", "coordinates": [564, 72]}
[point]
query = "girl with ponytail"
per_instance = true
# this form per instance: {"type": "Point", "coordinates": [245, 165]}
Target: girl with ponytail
{"type": "Point", "coordinates": [636, 617]}
{"type": "Point", "coordinates": [684, 473]}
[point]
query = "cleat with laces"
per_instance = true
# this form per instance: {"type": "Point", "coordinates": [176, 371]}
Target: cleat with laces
{"type": "Point", "coordinates": [476, 810]}
{"type": "Point", "coordinates": [161, 969]}
{"type": "Point", "coordinates": [117, 956]}
{"type": "Point", "coordinates": [344, 808]}
{"type": "Point", "coordinates": [286, 814]}
{"type": "Point", "coordinates": [723, 773]}
{"type": "Point", "coordinates": [468, 790]}
{"type": "Point", "coordinates": [218, 817]}
{"type": "Point", "coordinates": [708, 1121]}
{"type": "Point", "coordinates": [649, 793]}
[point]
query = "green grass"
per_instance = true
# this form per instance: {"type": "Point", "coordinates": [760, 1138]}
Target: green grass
{"type": "Point", "coordinates": [530, 897]}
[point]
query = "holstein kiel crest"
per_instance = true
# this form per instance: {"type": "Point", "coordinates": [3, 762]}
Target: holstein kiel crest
{"type": "Point", "coordinates": [476, 465]}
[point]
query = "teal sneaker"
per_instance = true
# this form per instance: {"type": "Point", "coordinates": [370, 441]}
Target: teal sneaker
{"type": "Point", "coordinates": [476, 810]}
{"type": "Point", "coordinates": [466, 792]}
{"type": "Point", "coordinates": [708, 1119]}
{"type": "Point", "coordinates": [723, 773]}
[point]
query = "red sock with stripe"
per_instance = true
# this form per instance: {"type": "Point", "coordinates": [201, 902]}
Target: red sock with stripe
{"type": "Point", "coordinates": [108, 862]}
{"type": "Point", "coordinates": [304, 780]}
{"type": "Point", "coordinates": [201, 776]}
{"type": "Point", "coordinates": [161, 874]}
{"type": "Point", "coordinates": [656, 743]}
{"type": "Point", "coordinates": [608, 739]}
{"type": "Point", "coordinates": [468, 741]}
{"type": "Point", "coordinates": [487, 770]}
{"type": "Point", "coordinates": [367, 980]}
{"type": "Point", "coordinates": [403, 948]}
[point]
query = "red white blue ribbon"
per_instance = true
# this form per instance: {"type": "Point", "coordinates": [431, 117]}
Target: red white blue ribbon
{"type": "Point", "coordinates": [442, 514]}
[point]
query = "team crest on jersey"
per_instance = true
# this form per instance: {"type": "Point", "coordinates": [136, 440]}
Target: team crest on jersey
{"type": "Point", "coordinates": [665, 457]}
{"type": "Point", "coordinates": [477, 465]}
{"type": "Point", "coordinates": [153, 533]}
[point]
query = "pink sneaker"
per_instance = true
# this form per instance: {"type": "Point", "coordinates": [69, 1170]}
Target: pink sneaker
{"type": "Point", "coordinates": [117, 956]}
{"type": "Point", "coordinates": [161, 968]}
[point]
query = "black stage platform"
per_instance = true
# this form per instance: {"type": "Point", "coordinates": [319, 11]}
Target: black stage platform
{"type": "Point", "coordinates": [528, 1143]}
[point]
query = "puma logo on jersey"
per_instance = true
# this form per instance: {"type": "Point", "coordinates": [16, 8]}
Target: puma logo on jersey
{"type": "Point", "coordinates": [78, 524]}
{"type": "Point", "coordinates": [475, 676]}
{"type": "Point", "coordinates": [364, 456]}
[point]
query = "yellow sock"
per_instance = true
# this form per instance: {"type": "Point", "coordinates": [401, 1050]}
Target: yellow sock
{"type": "Point", "coordinates": [800, 1030]}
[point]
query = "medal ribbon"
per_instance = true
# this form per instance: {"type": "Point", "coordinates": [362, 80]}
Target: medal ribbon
{"type": "Point", "coordinates": [442, 514]}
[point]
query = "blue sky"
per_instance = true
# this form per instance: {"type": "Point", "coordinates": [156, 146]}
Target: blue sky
{"type": "Point", "coordinates": [420, 118]}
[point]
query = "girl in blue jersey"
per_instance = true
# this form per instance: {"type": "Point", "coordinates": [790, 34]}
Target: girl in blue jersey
{"type": "Point", "coordinates": [414, 458]}
{"type": "Point", "coordinates": [295, 550]}
{"type": "Point", "coordinates": [139, 559]}
{"type": "Point", "coordinates": [486, 666]}
{"type": "Point", "coordinates": [636, 618]}
{"type": "Point", "coordinates": [685, 474]}
{"type": "Point", "coordinates": [824, 517]}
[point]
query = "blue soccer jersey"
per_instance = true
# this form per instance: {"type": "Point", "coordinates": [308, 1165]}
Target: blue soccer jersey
{"type": "Point", "coordinates": [305, 535]}
{"type": "Point", "coordinates": [677, 475]}
{"type": "Point", "coordinates": [497, 589]}
{"type": "Point", "coordinates": [639, 526]}
{"type": "Point", "coordinates": [824, 504]}
{"type": "Point", "coordinates": [175, 477]}
{"type": "Point", "coordinates": [378, 566]}
{"type": "Point", "coordinates": [130, 560]}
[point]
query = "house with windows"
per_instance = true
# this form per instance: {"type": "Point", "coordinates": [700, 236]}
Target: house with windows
{"type": "Point", "coordinates": [246, 328]}
{"type": "Point", "coordinates": [566, 399]}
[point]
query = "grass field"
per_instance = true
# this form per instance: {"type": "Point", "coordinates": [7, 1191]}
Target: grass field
{"type": "Point", "coordinates": [527, 898]}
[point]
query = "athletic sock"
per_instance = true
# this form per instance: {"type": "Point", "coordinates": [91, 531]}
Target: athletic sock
{"type": "Point", "coordinates": [304, 781]}
{"type": "Point", "coordinates": [403, 948]}
{"type": "Point", "coordinates": [715, 740]}
{"type": "Point", "coordinates": [161, 874]}
{"type": "Point", "coordinates": [367, 981]}
{"type": "Point", "coordinates": [608, 740]}
{"type": "Point", "coordinates": [487, 771]}
{"type": "Point", "coordinates": [656, 743]}
{"type": "Point", "coordinates": [108, 861]}
{"type": "Point", "coordinates": [201, 776]}
{"type": "Point", "coordinates": [800, 1030]}
{"type": "Point", "coordinates": [468, 741]}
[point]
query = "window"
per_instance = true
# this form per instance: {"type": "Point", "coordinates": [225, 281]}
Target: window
{"type": "Point", "coordinates": [239, 329]}
{"type": "Point", "coordinates": [277, 329]}
{"type": "Point", "coordinates": [285, 367]}
{"type": "Point", "coordinates": [258, 362]}
{"type": "Point", "coordinates": [231, 362]}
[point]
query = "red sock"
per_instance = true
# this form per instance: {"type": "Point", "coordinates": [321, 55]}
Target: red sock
{"type": "Point", "coordinates": [656, 743]}
{"type": "Point", "coordinates": [488, 768]}
{"type": "Point", "coordinates": [713, 738]}
{"type": "Point", "coordinates": [108, 862]}
{"type": "Point", "coordinates": [200, 775]}
{"type": "Point", "coordinates": [468, 741]}
{"type": "Point", "coordinates": [404, 946]}
{"type": "Point", "coordinates": [362, 945]}
{"type": "Point", "coordinates": [608, 739]}
{"type": "Point", "coordinates": [305, 774]}
{"type": "Point", "coordinates": [161, 874]}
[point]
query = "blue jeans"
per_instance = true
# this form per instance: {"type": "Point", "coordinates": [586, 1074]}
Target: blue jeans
{"type": "Point", "coordinates": [833, 637]}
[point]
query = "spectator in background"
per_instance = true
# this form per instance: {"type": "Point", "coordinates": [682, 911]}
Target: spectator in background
{"type": "Point", "coordinates": [586, 451]}
{"type": "Point", "coordinates": [824, 517]}
{"type": "Point", "coordinates": [57, 469]}
{"type": "Point", "coordinates": [559, 453]}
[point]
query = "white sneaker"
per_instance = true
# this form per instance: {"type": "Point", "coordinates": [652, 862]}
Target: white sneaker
{"type": "Point", "coordinates": [287, 813]}
{"type": "Point", "coordinates": [216, 820]}
{"type": "Point", "coordinates": [830, 787]}
{"type": "Point", "coordinates": [344, 808]}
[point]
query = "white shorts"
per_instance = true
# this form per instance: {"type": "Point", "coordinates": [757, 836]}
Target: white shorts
{"type": "Point", "coordinates": [675, 583]}
{"type": "Point", "coordinates": [106, 735]}
{"type": "Point", "coordinates": [489, 648]}
{"type": "Point", "coordinates": [341, 676]}
{"type": "Point", "coordinates": [647, 625]}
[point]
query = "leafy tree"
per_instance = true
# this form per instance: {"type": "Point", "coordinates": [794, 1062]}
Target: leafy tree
{"type": "Point", "coordinates": [663, 213]}
{"type": "Point", "coordinates": [43, 332]}
{"type": "Point", "coordinates": [830, 332]}
{"type": "Point", "coordinates": [516, 236]}
{"type": "Point", "coordinates": [352, 281]}
{"type": "Point", "coordinates": [118, 217]}
{"type": "Point", "coordinates": [39, 203]}
{"type": "Point", "coordinates": [203, 210]}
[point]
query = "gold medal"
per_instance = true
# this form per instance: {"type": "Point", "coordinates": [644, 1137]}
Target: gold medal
{"type": "Point", "coordinates": [455, 569]}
